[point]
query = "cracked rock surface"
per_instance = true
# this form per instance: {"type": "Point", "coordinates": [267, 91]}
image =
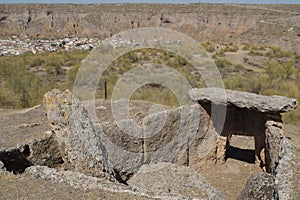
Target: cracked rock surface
{"type": "Point", "coordinates": [260, 103]}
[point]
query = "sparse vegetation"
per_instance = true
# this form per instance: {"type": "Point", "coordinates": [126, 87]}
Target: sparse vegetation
{"type": "Point", "coordinates": [279, 79]}
{"type": "Point", "coordinates": [254, 47]}
{"type": "Point", "coordinates": [220, 53]}
{"type": "Point", "coordinates": [150, 92]}
{"type": "Point", "coordinates": [208, 47]}
{"type": "Point", "coordinates": [24, 79]}
{"type": "Point", "coordinates": [276, 52]}
{"type": "Point", "coordinates": [231, 48]}
{"type": "Point", "coordinates": [255, 53]}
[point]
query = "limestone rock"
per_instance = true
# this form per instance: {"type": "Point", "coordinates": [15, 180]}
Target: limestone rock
{"type": "Point", "coordinates": [78, 180]}
{"type": "Point", "coordinates": [287, 172]}
{"type": "Point", "coordinates": [79, 144]}
{"type": "Point", "coordinates": [274, 134]}
{"type": "Point", "coordinates": [185, 136]}
{"type": "Point", "coordinates": [260, 103]}
{"type": "Point", "coordinates": [171, 178]}
{"type": "Point", "coordinates": [86, 21]}
{"type": "Point", "coordinates": [125, 152]}
{"type": "Point", "coordinates": [259, 186]}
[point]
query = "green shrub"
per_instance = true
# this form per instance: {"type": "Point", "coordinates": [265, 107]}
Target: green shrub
{"type": "Point", "coordinates": [275, 70]}
{"type": "Point", "coordinates": [276, 52]}
{"type": "Point", "coordinates": [255, 53]}
{"type": "Point", "coordinates": [231, 48]}
{"type": "Point", "coordinates": [220, 53]}
{"type": "Point", "coordinates": [208, 47]}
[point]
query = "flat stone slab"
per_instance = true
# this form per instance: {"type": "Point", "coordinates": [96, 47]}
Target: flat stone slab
{"type": "Point", "coordinates": [260, 103]}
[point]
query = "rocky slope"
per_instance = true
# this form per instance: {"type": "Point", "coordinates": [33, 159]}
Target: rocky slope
{"type": "Point", "coordinates": [267, 24]}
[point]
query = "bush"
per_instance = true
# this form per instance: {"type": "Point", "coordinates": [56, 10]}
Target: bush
{"type": "Point", "coordinates": [231, 48]}
{"type": "Point", "coordinates": [275, 70]}
{"type": "Point", "coordinates": [255, 53]}
{"type": "Point", "coordinates": [208, 47]}
{"type": "Point", "coordinates": [22, 87]}
{"type": "Point", "coordinates": [276, 52]}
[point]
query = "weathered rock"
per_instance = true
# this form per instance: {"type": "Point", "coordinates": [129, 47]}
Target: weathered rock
{"type": "Point", "coordinates": [242, 113]}
{"type": "Point", "coordinates": [171, 178]}
{"type": "Point", "coordinates": [259, 186]}
{"type": "Point", "coordinates": [43, 152]}
{"type": "Point", "coordinates": [229, 22]}
{"type": "Point", "coordinates": [125, 152]}
{"type": "Point", "coordinates": [166, 136]}
{"type": "Point", "coordinates": [260, 103]}
{"type": "Point", "coordinates": [274, 134]}
{"type": "Point", "coordinates": [182, 135]}
{"type": "Point", "coordinates": [78, 180]}
{"type": "Point", "coordinates": [78, 141]}
{"type": "Point", "coordinates": [287, 171]}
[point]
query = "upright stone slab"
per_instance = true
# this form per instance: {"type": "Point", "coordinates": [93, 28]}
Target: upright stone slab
{"type": "Point", "coordinates": [183, 135]}
{"type": "Point", "coordinates": [80, 145]}
{"type": "Point", "coordinates": [274, 134]}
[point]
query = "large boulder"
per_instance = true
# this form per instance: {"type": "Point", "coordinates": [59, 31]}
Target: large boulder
{"type": "Point", "coordinates": [259, 186]}
{"type": "Point", "coordinates": [171, 178]}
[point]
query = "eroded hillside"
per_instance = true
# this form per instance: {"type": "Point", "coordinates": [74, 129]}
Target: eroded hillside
{"type": "Point", "coordinates": [266, 24]}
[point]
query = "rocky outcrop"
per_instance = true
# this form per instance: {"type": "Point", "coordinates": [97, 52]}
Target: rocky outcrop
{"type": "Point", "coordinates": [174, 179]}
{"type": "Point", "coordinates": [259, 186]}
{"type": "Point", "coordinates": [80, 145]}
{"type": "Point", "coordinates": [266, 24]}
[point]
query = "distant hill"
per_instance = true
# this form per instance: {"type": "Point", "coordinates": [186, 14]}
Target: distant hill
{"type": "Point", "coordinates": [265, 24]}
